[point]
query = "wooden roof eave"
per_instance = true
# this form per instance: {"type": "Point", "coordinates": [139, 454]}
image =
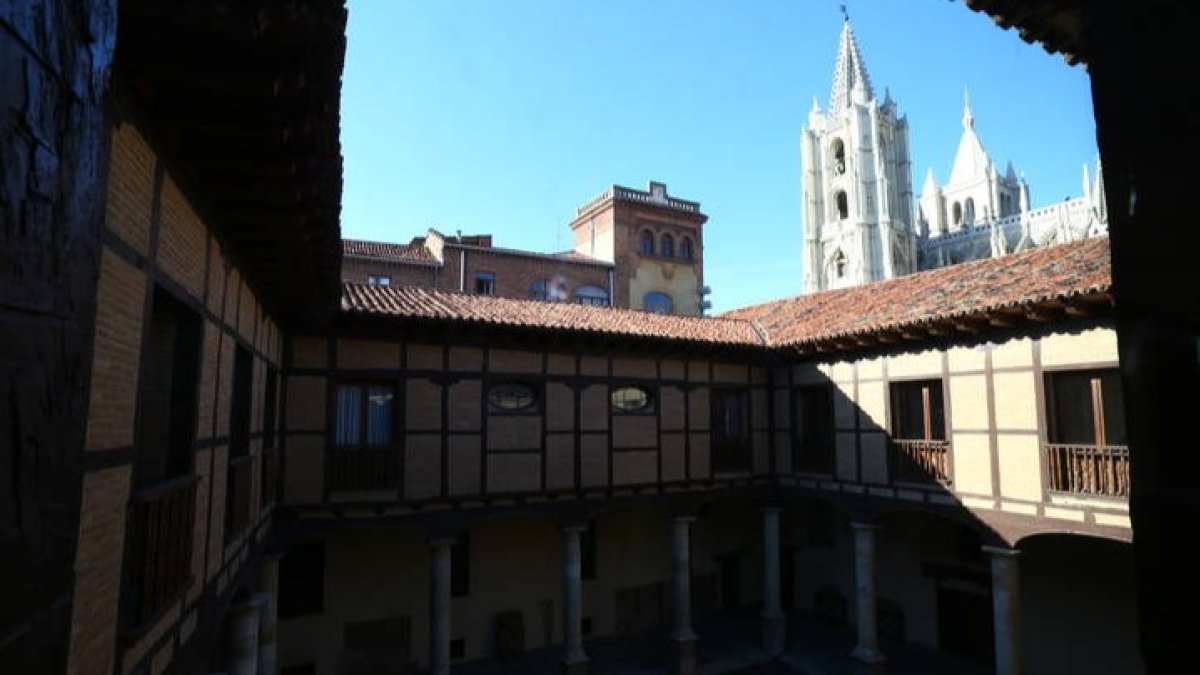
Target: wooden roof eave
{"type": "Point", "coordinates": [1048, 310]}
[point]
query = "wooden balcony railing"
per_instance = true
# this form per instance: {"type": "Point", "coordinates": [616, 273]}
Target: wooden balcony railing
{"type": "Point", "coordinates": [270, 476]}
{"type": "Point", "coordinates": [364, 469]}
{"type": "Point", "coordinates": [920, 461]}
{"type": "Point", "coordinates": [1100, 470]}
{"type": "Point", "coordinates": [237, 496]}
{"type": "Point", "coordinates": [161, 520]}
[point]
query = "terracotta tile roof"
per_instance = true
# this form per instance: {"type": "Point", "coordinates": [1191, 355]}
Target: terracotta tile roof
{"type": "Point", "coordinates": [413, 251]}
{"type": "Point", "coordinates": [976, 288]}
{"type": "Point", "coordinates": [972, 288]}
{"type": "Point", "coordinates": [422, 303]}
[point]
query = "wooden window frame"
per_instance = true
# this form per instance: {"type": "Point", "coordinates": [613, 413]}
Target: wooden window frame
{"type": "Point", "coordinates": [1095, 469]}
{"type": "Point", "coordinates": [745, 448]}
{"type": "Point", "coordinates": [364, 414]}
{"type": "Point", "coordinates": [829, 461]}
{"type": "Point", "coordinates": [650, 408]}
{"type": "Point", "coordinates": [928, 459]}
{"type": "Point", "coordinates": [490, 285]}
{"type": "Point", "coordinates": [533, 409]}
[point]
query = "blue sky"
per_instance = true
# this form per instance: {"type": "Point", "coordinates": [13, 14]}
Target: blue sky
{"type": "Point", "coordinates": [502, 116]}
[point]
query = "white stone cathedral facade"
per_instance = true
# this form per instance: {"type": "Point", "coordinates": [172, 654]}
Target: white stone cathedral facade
{"type": "Point", "coordinates": [859, 220]}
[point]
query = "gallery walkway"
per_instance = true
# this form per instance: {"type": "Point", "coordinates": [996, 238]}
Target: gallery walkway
{"type": "Point", "coordinates": [729, 645]}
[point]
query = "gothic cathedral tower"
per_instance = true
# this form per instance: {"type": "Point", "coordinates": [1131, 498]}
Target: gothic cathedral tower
{"type": "Point", "coordinates": [857, 193]}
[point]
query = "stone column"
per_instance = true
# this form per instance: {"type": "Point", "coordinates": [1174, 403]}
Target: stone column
{"type": "Point", "coordinates": [774, 624]}
{"type": "Point", "coordinates": [1006, 609]}
{"type": "Point", "coordinates": [243, 637]}
{"type": "Point", "coordinates": [867, 649]}
{"type": "Point", "coordinates": [439, 605]}
{"type": "Point", "coordinates": [682, 635]}
{"type": "Point", "coordinates": [574, 658]}
{"type": "Point", "coordinates": [268, 586]}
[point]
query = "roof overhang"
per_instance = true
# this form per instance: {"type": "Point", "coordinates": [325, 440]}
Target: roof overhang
{"type": "Point", "coordinates": [241, 99]}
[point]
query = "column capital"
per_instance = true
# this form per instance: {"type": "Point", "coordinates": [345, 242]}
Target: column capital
{"type": "Point", "coordinates": [687, 518]}
{"type": "Point", "coordinates": [864, 526]}
{"type": "Point", "coordinates": [771, 508]}
{"type": "Point", "coordinates": [1001, 551]}
{"type": "Point", "coordinates": [574, 528]}
{"type": "Point", "coordinates": [443, 540]}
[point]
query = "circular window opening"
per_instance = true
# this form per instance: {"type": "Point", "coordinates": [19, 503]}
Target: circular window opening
{"type": "Point", "coordinates": [511, 397]}
{"type": "Point", "coordinates": [631, 399]}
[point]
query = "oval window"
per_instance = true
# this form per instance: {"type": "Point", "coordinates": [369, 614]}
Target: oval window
{"type": "Point", "coordinates": [511, 397]}
{"type": "Point", "coordinates": [631, 399]}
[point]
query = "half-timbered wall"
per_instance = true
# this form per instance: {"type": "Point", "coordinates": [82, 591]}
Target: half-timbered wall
{"type": "Point", "coordinates": [994, 399]}
{"type": "Point", "coordinates": [451, 444]}
{"type": "Point", "coordinates": [155, 244]}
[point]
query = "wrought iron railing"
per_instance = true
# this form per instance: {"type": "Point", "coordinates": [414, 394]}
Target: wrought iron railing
{"type": "Point", "coordinates": [160, 531]}
{"type": "Point", "coordinates": [1100, 470]}
{"type": "Point", "coordinates": [920, 461]}
{"type": "Point", "coordinates": [364, 469]}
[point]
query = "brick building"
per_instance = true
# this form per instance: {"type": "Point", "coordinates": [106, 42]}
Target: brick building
{"type": "Point", "coordinates": [217, 458]}
{"type": "Point", "coordinates": [632, 248]}
{"type": "Point", "coordinates": [471, 264]}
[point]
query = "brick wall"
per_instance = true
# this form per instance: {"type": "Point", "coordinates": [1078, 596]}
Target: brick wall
{"type": "Point", "coordinates": [515, 274]}
{"type": "Point", "coordinates": [98, 570]}
{"type": "Point", "coordinates": [356, 270]}
{"type": "Point", "coordinates": [612, 230]}
{"type": "Point", "coordinates": [156, 239]}
{"type": "Point", "coordinates": [630, 220]}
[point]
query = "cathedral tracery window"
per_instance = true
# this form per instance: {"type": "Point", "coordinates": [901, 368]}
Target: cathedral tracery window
{"type": "Point", "coordinates": [843, 205]}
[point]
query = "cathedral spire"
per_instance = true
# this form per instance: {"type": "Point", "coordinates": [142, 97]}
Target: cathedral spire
{"type": "Point", "coordinates": [931, 185]}
{"type": "Point", "coordinates": [849, 71]}
{"type": "Point", "coordinates": [971, 161]}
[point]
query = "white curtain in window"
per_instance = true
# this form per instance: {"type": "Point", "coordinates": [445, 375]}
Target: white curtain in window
{"type": "Point", "coordinates": [379, 416]}
{"type": "Point", "coordinates": [347, 431]}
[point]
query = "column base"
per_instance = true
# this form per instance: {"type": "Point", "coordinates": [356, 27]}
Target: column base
{"type": "Point", "coordinates": [575, 665]}
{"type": "Point", "coordinates": [685, 655]}
{"type": "Point", "coordinates": [774, 634]}
{"type": "Point", "coordinates": [867, 655]}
